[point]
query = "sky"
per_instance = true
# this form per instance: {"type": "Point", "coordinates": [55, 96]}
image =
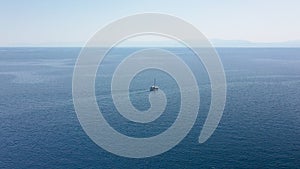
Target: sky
{"type": "Point", "coordinates": [73, 22]}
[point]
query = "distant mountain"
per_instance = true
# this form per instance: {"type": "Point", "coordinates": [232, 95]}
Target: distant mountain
{"type": "Point", "coordinates": [244, 43]}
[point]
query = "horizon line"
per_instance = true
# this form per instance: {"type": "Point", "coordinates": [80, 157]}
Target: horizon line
{"type": "Point", "coordinates": [220, 43]}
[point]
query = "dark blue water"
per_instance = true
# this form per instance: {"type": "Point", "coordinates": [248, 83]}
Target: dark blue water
{"type": "Point", "coordinates": [260, 127]}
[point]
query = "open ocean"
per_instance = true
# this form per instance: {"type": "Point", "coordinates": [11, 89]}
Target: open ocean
{"type": "Point", "coordinates": [260, 127]}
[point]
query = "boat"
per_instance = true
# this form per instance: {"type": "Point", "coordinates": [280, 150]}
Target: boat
{"type": "Point", "coordinates": [153, 87]}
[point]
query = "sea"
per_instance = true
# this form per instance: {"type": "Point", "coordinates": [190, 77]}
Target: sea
{"type": "Point", "coordinates": [260, 126]}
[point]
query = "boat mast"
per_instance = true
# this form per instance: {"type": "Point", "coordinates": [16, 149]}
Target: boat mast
{"type": "Point", "coordinates": [154, 82]}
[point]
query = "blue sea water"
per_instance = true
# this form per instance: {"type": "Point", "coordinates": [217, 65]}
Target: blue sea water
{"type": "Point", "coordinates": [260, 127]}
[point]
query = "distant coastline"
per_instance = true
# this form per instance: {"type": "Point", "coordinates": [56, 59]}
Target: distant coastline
{"type": "Point", "coordinates": [220, 43]}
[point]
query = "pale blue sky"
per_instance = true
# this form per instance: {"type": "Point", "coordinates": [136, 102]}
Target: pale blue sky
{"type": "Point", "coordinates": [73, 22]}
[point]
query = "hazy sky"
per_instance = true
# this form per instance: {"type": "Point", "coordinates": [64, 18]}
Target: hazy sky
{"type": "Point", "coordinates": [73, 22]}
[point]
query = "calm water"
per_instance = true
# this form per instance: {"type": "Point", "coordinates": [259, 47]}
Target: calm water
{"type": "Point", "coordinates": [260, 126]}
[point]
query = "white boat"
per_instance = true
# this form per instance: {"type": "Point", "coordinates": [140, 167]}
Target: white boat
{"type": "Point", "coordinates": [154, 87]}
